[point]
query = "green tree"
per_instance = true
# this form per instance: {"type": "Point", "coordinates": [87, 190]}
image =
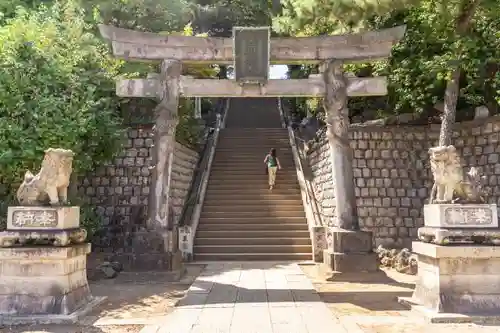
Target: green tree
{"type": "Point", "coordinates": [218, 17]}
{"type": "Point", "coordinates": [56, 90]}
{"type": "Point", "coordinates": [447, 50]}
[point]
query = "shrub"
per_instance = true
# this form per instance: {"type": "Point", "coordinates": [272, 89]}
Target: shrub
{"type": "Point", "coordinates": [56, 90]}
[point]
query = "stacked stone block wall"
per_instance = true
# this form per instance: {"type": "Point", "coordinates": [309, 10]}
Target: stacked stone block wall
{"type": "Point", "coordinates": [120, 190]}
{"type": "Point", "coordinates": [392, 174]}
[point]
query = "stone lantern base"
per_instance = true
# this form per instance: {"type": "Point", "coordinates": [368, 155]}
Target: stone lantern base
{"type": "Point", "coordinates": [44, 284]}
{"type": "Point", "coordinates": [462, 279]}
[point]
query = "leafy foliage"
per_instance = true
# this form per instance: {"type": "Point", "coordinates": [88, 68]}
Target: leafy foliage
{"type": "Point", "coordinates": [420, 65]}
{"type": "Point", "coordinates": [217, 17]}
{"type": "Point", "coordinates": [142, 15]}
{"type": "Point", "coordinates": [56, 90]}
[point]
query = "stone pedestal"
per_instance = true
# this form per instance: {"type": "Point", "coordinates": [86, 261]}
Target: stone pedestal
{"type": "Point", "coordinates": [459, 223]}
{"type": "Point", "coordinates": [458, 279]}
{"type": "Point", "coordinates": [349, 251]}
{"type": "Point", "coordinates": [45, 281]}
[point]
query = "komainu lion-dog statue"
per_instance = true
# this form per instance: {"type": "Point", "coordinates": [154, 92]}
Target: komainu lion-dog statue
{"type": "Point", "coordinates": [50, 185]}
{"type": "Point", "coordinates": [451, 185]}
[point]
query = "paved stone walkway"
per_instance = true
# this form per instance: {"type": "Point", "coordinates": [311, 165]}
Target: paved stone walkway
{"type": "Point", "coordinates": [250, 298]}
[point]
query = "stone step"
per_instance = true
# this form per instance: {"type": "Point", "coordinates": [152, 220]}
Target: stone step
{"type": "Point", "coordinates": [256, 129]}
{"type": "Point", "coordinates": [251, 147]}
{"type": "Point", "coordinates": [228, 191]}
{"type": "Point", "coordinates": [250, 213]}
{"type": "Point", "coordinates": [253, 241]}
{"type": "Point", "coordinates": [222, 177]}
{"type": "Point", "coordinates": [242, 198]}
{"type": "Point", "coordinates": [254, 143]}
{"type": "Point", "coordinates": [252, 166]}
{"type": "Point", "coordinates": [257, 160]}
{"type": "Point", "coordinates": [239, 156]}
{"type": "Point", "coordinates": [231, 173]}
{"type": "Point", "coordinates": [243, 170]}
{"type": "Point", "coordinates": [254, 136]}
{"type": "Point", "coordinates": [261, 181]}
{"type": "Point", "coordinates": [258, 231]}
{"type": "Point", "coordinates": [264, 207]}
{"type": "Point", "coordinates": [281, 150]}
{"type": "Point", "coordinates": [251, 248]}
{"type": "Point", "coordinates": [299, 221]}
{"type": "Point", "coordinates": [253, 185]}
{"type": "Point", "coordinates": [252, 201]}
{"type": "Point", "coordinates": [252, 256]}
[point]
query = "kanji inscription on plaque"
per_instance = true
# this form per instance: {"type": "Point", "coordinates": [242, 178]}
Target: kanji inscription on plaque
{"type": "Point", "coordinates": [251, 54]}
{"type": "Point", "coordinates": [34, 218]}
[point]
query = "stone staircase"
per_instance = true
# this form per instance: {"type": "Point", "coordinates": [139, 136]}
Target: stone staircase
{"type": "Point", "coordinates": [241, 218]}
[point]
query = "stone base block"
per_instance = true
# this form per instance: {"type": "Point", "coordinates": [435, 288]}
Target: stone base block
{"type": "Point", "coordinates": [350, 262]}
{"type": "Point", "coordinates": [447, 318]}
{"type": "Point", "coordinates": [349, 251]}
{"type": "Point", "coordinates": [461, 216]}
{"type": "Point", "coordinates": [71, 318]}
{"type": "Point", "coordinates": [46, 237]}
{"type": "Point", "coordinates": [43, 280]}
{"type": "Point", "coordinates": [43, 218]}
{"type": "Point", "coordinates": [156, 262]}
{"type": "Point", "coordinates": [348, 241]}
{"type": "Point", "coordinates": [458, 279]}
{"type": "Point", "coordinates": [318, 243]}
{"type": "Point", "coordinates": [445, 236]}
{"type": "Point", "coordinates": [150, 253]}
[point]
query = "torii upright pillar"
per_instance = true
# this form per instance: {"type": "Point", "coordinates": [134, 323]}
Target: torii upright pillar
{"type": "Point", "coordinates": [348, 248]}
{"type": "Point", "coordinates": [156, 247]}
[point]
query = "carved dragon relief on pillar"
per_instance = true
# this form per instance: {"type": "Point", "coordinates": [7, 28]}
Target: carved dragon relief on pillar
{"type": "Point", "coordinates": [337, 122]}
{"type": "Point", "coordinates": [163, 150]}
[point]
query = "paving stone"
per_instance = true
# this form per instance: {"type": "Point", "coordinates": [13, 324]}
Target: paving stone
{"type": "Point", "coordinates": [251, 298]}
{"type": "Point", "coordinates": [280, 297]}
{"type": "Point", "coordinates": [288, 328]}
{"type": "Point", "coordinates": [204, 329]}
{"type": "Point", "coordinates": [201, 286]}
{"type": "Point", "coordinates": [284, 315]}
{"type": "Point", "coordinates": [215, 318]}
{"type": "Point", "coordinates": [222, 293]}
{"type": "Point", "coordinates": [180, 321]}
{"type": "Point", "coordinates": [193, 301]}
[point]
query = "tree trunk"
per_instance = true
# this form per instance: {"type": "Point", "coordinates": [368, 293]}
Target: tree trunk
{"type": "Point", "coordinates": [467, 10]}
{"type": "Point", "coordinates": [491, 70]}
{"type": "Point", "coordinates": [163, 150]}
{"type": "Point", "coordinates": [450, 108]}
{"type": "Point", "coordinates": [337, 122]}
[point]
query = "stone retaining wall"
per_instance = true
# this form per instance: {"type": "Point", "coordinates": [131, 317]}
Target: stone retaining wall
{"type": "Point", "coordinates": [120, 191]}
{"type": "Point", "coordinates": [393, 177]}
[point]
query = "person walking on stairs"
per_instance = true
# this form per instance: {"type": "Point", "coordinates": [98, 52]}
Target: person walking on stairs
{"type": "Point", "coordinates": [273, 164]}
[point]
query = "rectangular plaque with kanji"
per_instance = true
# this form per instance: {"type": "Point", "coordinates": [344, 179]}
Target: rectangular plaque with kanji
{"type": "Point", "coordinates": [251, 54]}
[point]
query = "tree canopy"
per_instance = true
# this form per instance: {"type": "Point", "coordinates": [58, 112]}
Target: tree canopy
{"type": "Point", "coordinates": [421, 64]}
{"type": "Point", "coordinates": [56, 89]}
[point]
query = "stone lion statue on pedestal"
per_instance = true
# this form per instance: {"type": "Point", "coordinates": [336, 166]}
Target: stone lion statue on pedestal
{"type": "Point", "coordinates": [50, 185]}
{"type": "Point", "coordinates": [451, 185]}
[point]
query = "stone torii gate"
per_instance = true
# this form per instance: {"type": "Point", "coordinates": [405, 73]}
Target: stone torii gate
{"type": "Point", "coordinates": [252, 50]}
